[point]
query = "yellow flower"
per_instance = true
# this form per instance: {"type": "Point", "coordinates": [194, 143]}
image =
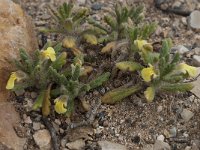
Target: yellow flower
{"type": "Point", "coordinates": [142, 45]}
{"type": "Point", "coordinates": [61, 104]}
{"type": "Point", "coordinates": [148, 73]}
{"type": "Point", "coordinates": [49, 53]}
{"type": "Point", "coordinates": [149, 94]}
{"type": "Point", "coordinates": [184, 68]}
{"type": "Point", "coordinates": [15, 76]}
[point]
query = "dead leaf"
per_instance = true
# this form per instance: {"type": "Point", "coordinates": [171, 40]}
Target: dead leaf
{"type": "Point", "coordinates": [87, 70]}
{"type": "Point", "coordinates": [109, 47]}
{"type": "Point", "coordinates": [46, 102]}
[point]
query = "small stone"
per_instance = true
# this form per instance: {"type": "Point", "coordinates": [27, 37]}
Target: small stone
{"type": "Point", "coordinates": [63, 142]}
{"type": "Point", "coordinates": [42, 139]}
{"type": "Point", "coordinates": [81, 2]}
{"type": "Point", "coordinates": [184, 20]}
{"type": "Point", "coordinates": [196, 84]}
{"type": "Point", "coordinates": [187, 115]}
{"type": "Point", "coordinates": [20, 92]}
{"type": "Point", "coordinates": [194, 19]}
{"type": "Point", "coordinates": [196, 60]}
{"type": "Point", "coordinates": [159, 145]}
{"type": "Point", "coordinates": [106, 145]}
{"type": "Point", "coordinates": [172, 132]}
{"type": "Point", "coordinates": [33, 95]}
{"type": "Point", "coordinates": [180, 49]}
{"type": "Point", "coordinates": [46, 16]}
{"type": "Point", "coordinates": [177, 4]}
{"type": "Point", "coordinates": [159, 109]}
{"type": "Point", "coordinates": [96, 6]}
{"type": "Point", "coordinates": [76, 145]}
{"type": "Point", "coordinates": [27, 119]}
{"type": "Point", "coordinates": [105, 123]}
{"type": "Point", "coordinates": [36, 125]}
{"type": "Point", "coordinates": [188, 148]}
{"type": "Point", "coordinates": [57, 121]}
{"type": "Point", "coordinates": [161, 138]}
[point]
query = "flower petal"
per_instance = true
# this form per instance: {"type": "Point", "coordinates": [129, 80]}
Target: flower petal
{"type": "Point", "coordinates": [147, 73]}
{"type": "Point", "coordinates": [149, 94]}
{"type": "Point", "coordinates": [11, 81]}
{"type": "Point", "coordinates": [184, 68]}
{"type": "Point", "coordinates": [140, 43]}
{"type": "Point", "coordinates": [60, 104]}
{"type": "Point", "coordinates": [49, 54]}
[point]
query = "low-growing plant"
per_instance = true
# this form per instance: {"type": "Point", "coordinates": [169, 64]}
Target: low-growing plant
{"type": "Point", "coordinates": [125, 24]}
{"type": "Point", "coordinates": [159, 71]}
{"type": "Point", "coordinates": [51, 75]}
{"type": "Point", "coordinates": [71, 23]}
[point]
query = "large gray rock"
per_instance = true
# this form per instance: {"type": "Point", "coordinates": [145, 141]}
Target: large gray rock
{"type": "Point", "coordinates": [194, 19]}
{"type": "Point", "coordinates": [16, 31]}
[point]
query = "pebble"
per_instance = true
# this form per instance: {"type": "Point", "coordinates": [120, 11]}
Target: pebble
{"type": "Point", "coordinates": [106, 145]}
{"type": "Point", "coordinates": [96, 6]}
{"type": "Point", "coordinates": [177, 4]}
{"type": "Point", "coordinates": [196, 60]}
{"type": "Point", "coordinates": [180, 49]}
{"type": "Point", "coordinates": [33, 95]}
{"type": "Point", "coordinates": [20, 92]}
{"type": "Point", "coordinates": [27, 119]}
{"type": "Point", "coordinates": [159, 145]}
{"type": "Point", "coordinates": [172, 132]}
{"type": "Point", "coordinates": [161, 138]}
{"type": "Point", "coordinates": [42, 139]}
{"type": "Point", "coordinates": [159, 109]}
{"type": "Point", "coordinates": [194, 19]}
{"type": "Point", "coordinates": [186, 115]}
{"type": "Point", "coordinates": [76, 145]}
{"type": "Point", "coordinates": [36, 125]}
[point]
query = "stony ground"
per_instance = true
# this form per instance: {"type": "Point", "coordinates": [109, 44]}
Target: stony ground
{"type": "Point", "coordinates": [170, 122]}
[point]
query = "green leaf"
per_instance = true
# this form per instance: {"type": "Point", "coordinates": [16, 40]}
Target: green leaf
{"type": "Point", "coordinates": [58, 47]}
{"type": "Point", "coordinates": [60, 61]}
{"type": "Point", "coordinates": [119, 94]}
{"type": "Point", "coordinates": [90, 38]}
{"type": "Point", "coordinates": [182, 87]}
{"type": "Point", "coordinates": [38, 103]}
{"type": "Point", "coordinates": [128, 65]}
{"type": "Point", "coordinates": [99, 80]}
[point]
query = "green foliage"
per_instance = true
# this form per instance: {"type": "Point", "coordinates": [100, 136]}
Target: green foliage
{"type": "Point", "coordinates": [69, 22]}
{"type": "Point", "coordinates": [161, 72]}
{"type": "Point", "coordinates": [46, 73]}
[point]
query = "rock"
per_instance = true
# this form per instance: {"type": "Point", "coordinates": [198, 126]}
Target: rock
{"type": "Point", "coordinates": [172, 132]}
{"type": "Point", "coordinates": [159, 109]}
{"type": "Point", "coordinates": [106, 145]}
{"type": "Point", "coordinates": [96, 6]}
{"type": "Point", "coordinates": [43, 139]}
{"type": "Point", "coordinates": [148, 147]}
{"type": "Point", "coordinates": [161, 138]}
{"type": "Point", "coordinates": [180, 49]}
{"type": "Point", "coordinates": [81, 2]}
{"type": "Point", "coordinates": [186, 115]}
{"type": "Point", "coordinates": [27, 120]}
{"type": "Point", "coordinates": [34, 95]}
{"type": "Point", "coordinates": [177, 4]}
{"type": "Point", "coordinates": [16, 31]}
{"type": "Point", "coordinates": [159, 145]}
{"type": "Point", "coordinates": [20, 92]}
{"type": "Point", "coordinates": [196, 84]}
{"type": "Point", "coordinates": [76, 145]}
{"type": "Point", "coordinates": [196, 60]}
{"type": "Point", "coordinates": [194, 19]}
{"type": "Point", "coordinates": [36, 125]}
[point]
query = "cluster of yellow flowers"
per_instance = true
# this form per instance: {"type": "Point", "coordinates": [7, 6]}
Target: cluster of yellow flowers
{"type": "Point", "coordinates": [49, 53]}
{"type": "Point", "coordinates": [150, 73]}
